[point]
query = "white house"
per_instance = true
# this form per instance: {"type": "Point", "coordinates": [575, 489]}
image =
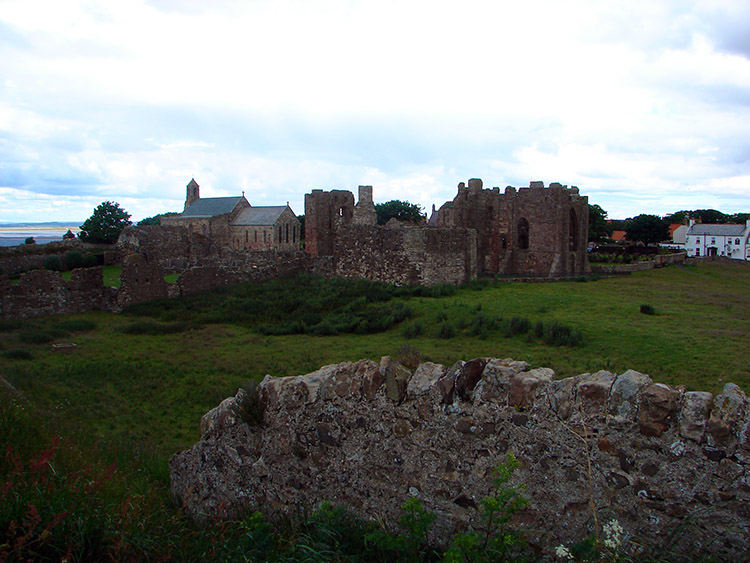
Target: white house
{"type": "Point", "coordinates": [732, 241]}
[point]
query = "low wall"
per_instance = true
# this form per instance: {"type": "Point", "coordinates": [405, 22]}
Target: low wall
{"type": "Point", "coordinates": [669, 465]}
{"type": "Point", "coordinates": [44, 292]}
{"type": "Point", "coordinates": [640, 265]}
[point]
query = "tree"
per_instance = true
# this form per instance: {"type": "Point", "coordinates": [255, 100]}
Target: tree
{"type": "Point", "coordinates": [105, 224]}
{"type": "Point", "coordinates": [710, 216]}
{"type": "Point", "coordinates": [598, 227]}
{"type": "Point", "coordinates": [676, 217]}
{"type": "Point", "coordinates": [647, 229]}
{"type": "Point", "coordinates": [156, 219]}
{"type": "Point", "coordinates": [401, 210]}
{"type": "Point", "coordinates": [739, 218]}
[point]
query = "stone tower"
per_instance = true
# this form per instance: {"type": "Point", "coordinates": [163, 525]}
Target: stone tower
{"type": "Point", "coordinates": [364, 211]}
{"type": "Point", "coordinates": [193, 193]}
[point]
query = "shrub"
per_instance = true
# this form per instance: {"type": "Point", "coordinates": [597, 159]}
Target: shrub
{"type": "Point", "coordinates": [150, 327]}
{"type": "Point", "coordinates": [648, 310]}
{"type": "Point", "coordinates": [30, 240]}
{"type": "Point", "coordinates": [412, 330]}
{"type": "Point", "coordinates": [74, 259]}
{"type": "Point", "coordinates": [75, 325]}
{"type": "Point", "coordinates": [408, 356]}
{"type": "Point", "coordinates": [18, 355]}
{"type": "Point", "coordinates": [53, 262]}
{"type": "Point", "coordinates": [441, 317]}
{"type": "Point", "coordinates": [446, 331]}
{"type": "Point", "coordinates": [8, 325]}
{"type": "Point", "coordinates": [35, 336]}
{"type": "Point", "coordinates": [557, 334]}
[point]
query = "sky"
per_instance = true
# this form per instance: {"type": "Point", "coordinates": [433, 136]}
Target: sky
{"type": "Point", "coordinates": [644, 105]}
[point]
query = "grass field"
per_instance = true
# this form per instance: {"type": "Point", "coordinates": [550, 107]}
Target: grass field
{"type": "Point", "coordinates": [134, 388]}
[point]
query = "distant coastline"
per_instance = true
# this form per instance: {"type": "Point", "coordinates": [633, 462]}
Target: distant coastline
{"type": "Point", "coordinates": [14, 234]}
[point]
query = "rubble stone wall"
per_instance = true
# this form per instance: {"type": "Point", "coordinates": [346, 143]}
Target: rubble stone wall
{"type": "Point", "coordinates": [672, 466]}
{"type": "Point", "coordinates": [44, 292]}
{"type": "Point", "coordinates": [406, 254]}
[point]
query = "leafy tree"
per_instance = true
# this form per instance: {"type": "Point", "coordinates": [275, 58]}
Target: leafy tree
{"type": "Point", "coordinates": [676, 217]}
{"type": "Point", "coordinates": [401, 210]}
{"type": "Point", "coordinates": [105, 224]}
{"type": "Point", "coordinates": [156, 219]}
{"type": "Point", "coordinates": [710, 216]}
{"type": "Point", "coordinates": [598, 227]}
{"type": "Point", "coordinates": [740, 217]}
{"type": "Point", "coordinates": [647, 229]}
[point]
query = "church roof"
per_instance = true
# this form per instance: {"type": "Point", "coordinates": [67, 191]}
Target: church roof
{"type": "Point", "coordinates": [721, 230]}
{"type": "Point", "coordinates": [260, 215]}
{"type": "Point", "coordinates": [211, 206]}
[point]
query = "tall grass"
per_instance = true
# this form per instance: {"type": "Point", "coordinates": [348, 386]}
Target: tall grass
{"type": "Point", "coordinates": [132, 398]}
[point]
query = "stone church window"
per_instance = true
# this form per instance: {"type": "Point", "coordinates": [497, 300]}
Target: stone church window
{"type": "Point", "coordinates": [523, 233]}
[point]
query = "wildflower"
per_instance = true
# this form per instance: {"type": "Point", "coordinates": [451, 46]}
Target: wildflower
{"type": "Point", "coordinates": [613, 535]}
{"type": "Point", "coordinates": [563, 552]}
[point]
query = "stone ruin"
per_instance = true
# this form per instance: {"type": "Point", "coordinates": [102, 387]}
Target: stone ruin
{"type": "Point", "coordinates": [533, 232]}
{"type": "Point", "coordinates": [671, 466]}
{"type": "Point", "coordinates": [530, 232]}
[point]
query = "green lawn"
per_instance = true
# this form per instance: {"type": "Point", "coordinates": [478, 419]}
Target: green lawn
{"type": "Point", "coordinates": [134, 388]}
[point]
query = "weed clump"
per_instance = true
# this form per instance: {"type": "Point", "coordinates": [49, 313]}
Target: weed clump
{"type": "Point", "coordinates": [153, 328]}
{"type": "Point", "coordinates": [446, 331]}
{"type": "Point", "coordinates": [412, 330]}
{"type": "Point", "coordinates": [648, 309]}
{"type": "Point", "coordinates": [248, 407]}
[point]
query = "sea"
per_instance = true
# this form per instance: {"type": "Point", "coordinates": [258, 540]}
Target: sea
{"type": "Point", "coordinates": [14, 235]}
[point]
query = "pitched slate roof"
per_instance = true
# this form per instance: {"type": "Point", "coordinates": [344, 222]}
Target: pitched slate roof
{"type": "Point", "coordinates": [211, 206]}
{"type": "Point", "coordinates": [717, 230]}
{"type": "Point", "coordinates": [259, 215]}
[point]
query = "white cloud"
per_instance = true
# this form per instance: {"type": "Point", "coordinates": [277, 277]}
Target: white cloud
{"type": "Point", "coordinates": [640, 102]}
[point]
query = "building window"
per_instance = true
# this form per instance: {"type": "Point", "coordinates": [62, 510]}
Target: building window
{"type": "Point", "coordinates": [286, 228]}
{"type": "Point", "coordinates": [736, 241]}
{"type": "Point", "coordinates": [256, 236]}
{"type": "Point", "coordinates": [279, 233]}
{"type": "Point", "coordinates": [697, 251]}
{"type": "Point", "coordinates": [523, 233]}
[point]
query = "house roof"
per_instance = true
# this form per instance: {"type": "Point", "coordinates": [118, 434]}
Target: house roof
{"type": "Point", "coordinates": [211, 206]}
{"type": "Point", "coordinates": [260, 215]}
{"type": "Point", "coordinates": [717, 230]}
{"type": "Point", "coordinates": [618, 236]}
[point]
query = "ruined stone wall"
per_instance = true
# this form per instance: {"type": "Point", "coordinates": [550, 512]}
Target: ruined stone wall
{"type": "Point", "coordinates": [672, 466]}
{"type": "Point", "coordinates": [534, 231]}
{"type": "Point", "coordinates": [44, 292]}
{"type": "Point", "coordinates": [324, 213]}
{"type": "Point", "coordinates": [403, 254]}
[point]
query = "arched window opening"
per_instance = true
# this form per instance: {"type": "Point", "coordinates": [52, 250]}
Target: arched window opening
{"type": "Point", "coordinates": [523, 233]}
{"type": "Point", "coordinates": [573, 231]}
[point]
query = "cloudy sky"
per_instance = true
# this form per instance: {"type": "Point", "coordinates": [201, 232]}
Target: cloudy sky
{"type": "Point", "coordinates": [645, 105]}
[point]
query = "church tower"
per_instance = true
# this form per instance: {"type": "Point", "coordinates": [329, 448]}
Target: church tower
{"type": "Point", "coordinates": [193, 193]}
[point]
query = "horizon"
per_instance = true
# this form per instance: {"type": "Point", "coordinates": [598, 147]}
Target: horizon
{"type": "Point", "coordinates": [641, 105]}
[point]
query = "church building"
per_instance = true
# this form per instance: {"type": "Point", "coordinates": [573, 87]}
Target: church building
{"type": "Point", "coordinates": [234, 223]}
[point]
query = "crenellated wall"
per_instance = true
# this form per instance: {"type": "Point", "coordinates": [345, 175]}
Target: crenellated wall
{"type": "Point", "coordinates": [672, 466]}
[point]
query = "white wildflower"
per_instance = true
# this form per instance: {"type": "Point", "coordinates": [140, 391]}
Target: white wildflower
{"type": "Point", "coordinates": [563, 552]}
{"type": "Point", "coordinates": [613, 535]}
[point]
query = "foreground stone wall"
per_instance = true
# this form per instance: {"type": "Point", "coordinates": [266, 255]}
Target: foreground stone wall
{"type": "Point", "coordinates": [664, 461]}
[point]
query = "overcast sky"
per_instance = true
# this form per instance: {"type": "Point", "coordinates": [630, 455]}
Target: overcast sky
{"type": "Point", "coordinates": [644, 105]}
